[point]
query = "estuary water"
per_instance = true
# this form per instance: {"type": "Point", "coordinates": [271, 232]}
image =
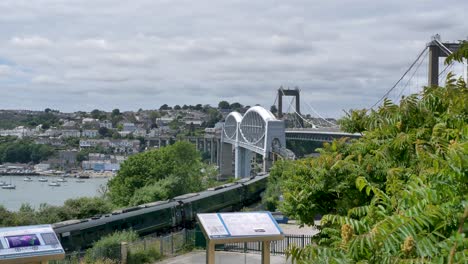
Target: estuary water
{"type": "Point", "coordinates": [35, 192]}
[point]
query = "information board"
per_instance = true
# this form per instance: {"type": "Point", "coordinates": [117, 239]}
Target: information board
{"type": "Point", "coordinates": [30, 243]}
{"type": "Point", "coordinates": [245, 224]}
{"type": "Point", "coordinates": [213, 224]}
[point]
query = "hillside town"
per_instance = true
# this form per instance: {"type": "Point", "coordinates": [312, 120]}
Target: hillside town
{"type": "Point", "coordinates": [97, 142]}
{"type": "Point", "coordinates": [100, 141]}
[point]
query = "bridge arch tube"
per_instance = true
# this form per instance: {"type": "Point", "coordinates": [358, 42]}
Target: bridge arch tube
{"type": "Point", "coordinates": [253, 132]}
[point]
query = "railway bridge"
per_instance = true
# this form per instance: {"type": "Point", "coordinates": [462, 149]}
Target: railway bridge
{"type": "Point", "coordinates": [257, 131]}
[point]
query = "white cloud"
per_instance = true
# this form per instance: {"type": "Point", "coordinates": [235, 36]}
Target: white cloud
{"type": "Point", "coordinates": [5, 71]}
{"type": "Point", "coordinates": [94, 44]}
{"type": "Point", "coordinates": [46, 79]}
{"type": "Point", "coordinates": [31, 42]}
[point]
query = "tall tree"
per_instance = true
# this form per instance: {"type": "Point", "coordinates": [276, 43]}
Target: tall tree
{"type": "Point", "coordinates": [179, 163]}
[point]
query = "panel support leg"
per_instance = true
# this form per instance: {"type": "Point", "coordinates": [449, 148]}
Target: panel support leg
{"type": "Point", "coordinates": [266, 252]}
{"type": "Point", "coordinates": [210, 253]}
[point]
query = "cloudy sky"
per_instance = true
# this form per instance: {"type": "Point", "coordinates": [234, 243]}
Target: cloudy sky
{"type": "Point", "coordinates": [81, 55]}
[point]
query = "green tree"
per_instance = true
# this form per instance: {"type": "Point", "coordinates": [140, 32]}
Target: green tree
{"type": "Point", "coordinates": [165, 107]}
{"type": "Point", "coordinates": [105, 132]}
{"type": "Point", "coordinates": [115, 112]}
{"type": "Point", "coordinates": [45, 126]}
{"type": "Point", "coordinates": [224, 105]}
{"type": "Point", "coordinates": [179, 161]}
{"type": "Point", "coordinates": [236, 106]}
{"type": "Point", "coordinates": [198, 107]}
{"type": "Point", "coordinates": [273, 109]}
{"type": "Point", "coordinates": [96, 114]}
{"type": "Point", "coordinates": [86, 206]}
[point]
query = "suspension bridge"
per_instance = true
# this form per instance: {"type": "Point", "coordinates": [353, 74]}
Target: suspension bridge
{"type": "Point", "coordinates": [260, 132]}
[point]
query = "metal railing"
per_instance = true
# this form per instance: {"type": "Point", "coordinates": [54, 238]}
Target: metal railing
{"type": "Point", "coordinates": [176, 243]}
{"type": "Point", "coordinates": [276, 247]}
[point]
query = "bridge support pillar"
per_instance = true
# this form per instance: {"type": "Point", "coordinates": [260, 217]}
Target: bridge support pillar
{"type": "Point", "coordinates": [226, 159]}
{"type": "Point", "coordinates": [243, 157]}
{"type": "Point", "coordinates": [434, 55]}
{"type": "Point", "coordinates": [465, 70]}
{"type": "Point", "coordinates": [266, 163]}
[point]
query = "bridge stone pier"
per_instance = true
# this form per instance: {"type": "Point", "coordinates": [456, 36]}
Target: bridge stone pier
{"type": "Point", "coordinates": [256, 132]}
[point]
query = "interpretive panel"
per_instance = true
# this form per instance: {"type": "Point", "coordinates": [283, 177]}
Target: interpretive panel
{"type": "Point", "coordinates": [26, 244]}
{"type": "Point", "coordinates": [213, 225]}
{"type": "Point", "coordinates": [250, 224]}
{"type": "Point", "coordinates": [226, 225]}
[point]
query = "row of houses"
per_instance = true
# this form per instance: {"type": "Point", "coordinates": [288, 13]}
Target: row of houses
{"type": "Point", "coordinates": [126, 146]}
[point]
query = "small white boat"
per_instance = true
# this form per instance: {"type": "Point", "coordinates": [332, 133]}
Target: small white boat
{"type": "Point", "coordinates": [80, 181]}
{"type": "Point", "coordinates": [42, 179]}
{"type": "Point", "coordinates": [61, 180]}
{"type": "Point", "coordinates": [54, 184]}
{"type": "Point", "coordinates": [9, 187]}
{"type": "Point", "coordinates": [27, 179]}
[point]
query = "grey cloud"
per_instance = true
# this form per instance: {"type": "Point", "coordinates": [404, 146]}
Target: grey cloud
{"type": "Point", "coordinates": [131, 54]}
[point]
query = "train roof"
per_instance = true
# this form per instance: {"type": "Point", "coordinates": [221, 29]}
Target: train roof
{"type": "Point", "coordinates": [71, 225]}
{"type": "Point", "coordinates": [106, 218]}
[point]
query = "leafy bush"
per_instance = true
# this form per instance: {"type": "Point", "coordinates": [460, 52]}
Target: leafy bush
{"type": "Point", "coordinates": [396, 195]}
{"type": "Point", "coordinates": [109, 247]}
{"type": "Point", "coordinates": [47, 214]}
{"type": "Point", "coordinates": [143, 256]}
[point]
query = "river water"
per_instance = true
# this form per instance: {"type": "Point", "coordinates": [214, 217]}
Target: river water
{"type": "Point", "coordinates": [36, 192]}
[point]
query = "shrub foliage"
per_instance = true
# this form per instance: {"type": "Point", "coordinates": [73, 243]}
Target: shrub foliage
{"type": "Point", "coordinates": [396, 195]}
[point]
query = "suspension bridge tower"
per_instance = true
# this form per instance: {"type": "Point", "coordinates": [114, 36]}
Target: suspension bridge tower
{"type": "Point", "coordinates": [290, 92]}
{"type": "Point", "coordinates": [438, 49]}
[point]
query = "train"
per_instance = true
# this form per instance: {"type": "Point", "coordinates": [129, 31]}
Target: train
{"type": "Point", "coordinates": [161, 216]}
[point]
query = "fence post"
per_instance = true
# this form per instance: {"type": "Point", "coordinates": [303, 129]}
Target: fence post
{"type": "Point", "coordinates": [172, 244]}
{"type": "Point", "coordinates": [302, 241]}
{"type": "Point", "coordinates": [123, 252]}
{"type": "Point", "coordinates": [161, 246]}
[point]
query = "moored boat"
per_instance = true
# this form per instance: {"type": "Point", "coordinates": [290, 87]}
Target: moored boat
{"type": "Point", "coordinates": [9, 187]}
{"type": "Point", "coordinates": [61, 180]}
{"type": "Point", "coordinates": [54, 184]}
{"type": "Point", "coordinates": [42, 179]}
{"type": "Point", "coordinates": [27, 179]}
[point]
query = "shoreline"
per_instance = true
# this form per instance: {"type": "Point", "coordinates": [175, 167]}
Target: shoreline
{"type": "Point", "coordinates": [90, 174]}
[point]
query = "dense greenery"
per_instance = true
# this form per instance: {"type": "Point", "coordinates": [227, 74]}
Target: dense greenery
{"type": "Point", "coordinates": [398, 194]}
{"type": "Point", "coordinates": [159, 174]}
{"type": "Point", "coordinates": [107, 250]}
{"type": "Point", "coordinates": [11, 120]}
{"type": "Point", "coordinates": [302, 148]}
{"type": "Point", "coordinates": [108, 247]}
{"type": "Point", "coordinates": [46, 214]}
{"type": "Point", "coordinates": [23, 151]}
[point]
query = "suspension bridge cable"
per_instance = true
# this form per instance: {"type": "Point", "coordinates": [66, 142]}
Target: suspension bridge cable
{"type": "Point", "coordinates": [403, 76]}
{"type": "Point", "coordinates": [331, 123]}
{"type": "Point", "coordinates": [415, 71]}
{"type": "Point", "coordinates": [307, 121]}
{"type": "Point", "coordinates": [445, 69]}
{"type": "Point", "coordinates": [319, 115]}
